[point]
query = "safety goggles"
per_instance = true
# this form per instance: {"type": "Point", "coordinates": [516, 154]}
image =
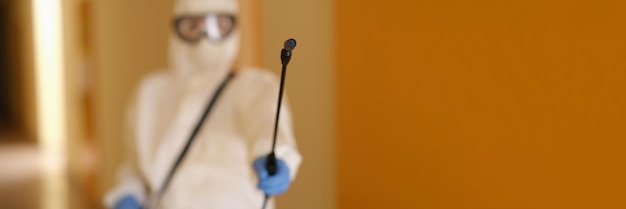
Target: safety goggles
{"type": "Point", "coordinates": [216, 27]}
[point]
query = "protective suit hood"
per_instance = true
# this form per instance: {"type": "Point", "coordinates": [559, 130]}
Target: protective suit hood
{"type": "Point", "coordinates": [204, 58]}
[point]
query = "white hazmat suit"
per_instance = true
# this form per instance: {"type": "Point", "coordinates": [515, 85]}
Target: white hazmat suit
{"type": "Point", "coordinates": [217, 171]}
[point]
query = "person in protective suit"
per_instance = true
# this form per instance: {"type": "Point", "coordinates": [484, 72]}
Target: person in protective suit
{"type": "Point", "coordinates": [224, 166]}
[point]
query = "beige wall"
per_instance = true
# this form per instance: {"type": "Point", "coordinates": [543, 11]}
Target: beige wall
{"type": "Point", "coordinates": [78, 161]}
{"type": "Point", "coordinates": [310, 90]}
{"type": "Point", "coordinates": [126, 47]}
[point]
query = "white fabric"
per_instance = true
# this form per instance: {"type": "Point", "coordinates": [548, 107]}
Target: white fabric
{"type": "Point", "coordinates": [217, 171]}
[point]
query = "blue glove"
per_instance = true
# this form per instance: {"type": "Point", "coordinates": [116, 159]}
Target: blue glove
{"type": "Point", "coordinates": [128, 202]}
{"type": "Point", "coordinates": [276, 184]}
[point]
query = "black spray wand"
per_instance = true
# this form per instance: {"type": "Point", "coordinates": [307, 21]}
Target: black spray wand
{"type": "Point", "coordinates": [285, 56]}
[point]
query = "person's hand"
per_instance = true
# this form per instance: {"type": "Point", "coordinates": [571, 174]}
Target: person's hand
{"type": "Point", "coordinates": [275, 184]}
{"type": "Point", "coordinates": [128, 202]}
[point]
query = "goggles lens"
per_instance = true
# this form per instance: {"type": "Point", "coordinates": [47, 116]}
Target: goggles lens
{"type": "Point", "coordinates": [215, 27]}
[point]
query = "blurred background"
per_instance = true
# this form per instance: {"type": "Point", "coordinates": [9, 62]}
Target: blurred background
{"type": "Point", "coordinates": [397, 104]}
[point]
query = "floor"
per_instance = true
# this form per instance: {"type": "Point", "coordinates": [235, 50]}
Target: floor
{"type": "Point", "coordinates": [25, 184]}
{"type": "Point", "coordinates": [20, 182]}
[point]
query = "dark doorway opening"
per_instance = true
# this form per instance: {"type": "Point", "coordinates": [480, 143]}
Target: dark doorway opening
{"type": "Point", "coordinates": [10, 121]}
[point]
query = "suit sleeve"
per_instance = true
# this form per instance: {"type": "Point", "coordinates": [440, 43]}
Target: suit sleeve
{"type": "Point", "coordinates": [129, 182]}
{"type": "Point", "coordinates": [259, 97]}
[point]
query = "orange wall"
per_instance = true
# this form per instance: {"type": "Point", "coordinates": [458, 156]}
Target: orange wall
{"type": "Point", "coordinates": [481, 104]}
